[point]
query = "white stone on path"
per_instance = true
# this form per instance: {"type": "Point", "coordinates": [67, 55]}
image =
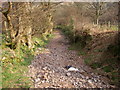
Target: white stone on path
{"type": "Point", "coordinates": [73, 69]}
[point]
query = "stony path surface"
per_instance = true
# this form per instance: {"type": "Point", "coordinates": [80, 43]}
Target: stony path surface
{"type": "Point", "coordinates": [47, 69]}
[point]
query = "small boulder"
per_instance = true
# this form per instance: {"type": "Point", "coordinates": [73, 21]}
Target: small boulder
{"type": "Point", "coordinates": [68, 74]}
{"type": "Point", "coordinates": [73, 69]}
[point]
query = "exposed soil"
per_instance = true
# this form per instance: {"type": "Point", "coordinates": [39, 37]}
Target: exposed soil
{"type": "Point", "coordinates": [48, 68]}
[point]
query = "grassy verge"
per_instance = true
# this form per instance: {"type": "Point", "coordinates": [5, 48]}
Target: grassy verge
{"type": "Point", "coordinates": [15, 64]}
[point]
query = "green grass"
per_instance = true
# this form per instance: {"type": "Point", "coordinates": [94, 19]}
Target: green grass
{"type": "Point", "coordinates": [14, 68]}
{"type": "Point", "coordinates": [81, 53]}
{"type": "Point", "coordinates": [75, 46]}
{"type": "Point", "coordinates": [98, 50]}
{"type": "Point", "coordinates": [87, 60]}
{"type": "Point", "coordinates": [96, 65]}
{"type": "Point", "coordinates": [107, 69]}
{"type": "Point", "coordinates": [114, 28]}
{"type": "Point", "coordinates": [15, 64]}
{"type": "Point", "coordinates": [13, 77]}
{"type": "Point", "coordinates": [115, 78]}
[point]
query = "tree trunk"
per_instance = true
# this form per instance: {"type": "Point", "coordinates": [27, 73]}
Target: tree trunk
{"type": "Point", "coordinates": [97, 15]}
{"type": "Point", "coordinates": [28, 26]}
{"type": "Point", "coordinates": [9, 26]}
{"type": "Point", "coordinates": [97, 21]}
{"type": "Point", "coordinates": [19, 36]}
{"type": "Point", "coordinates": [6, 30]}
{"type": "Point", "coordinates": [29, 41]}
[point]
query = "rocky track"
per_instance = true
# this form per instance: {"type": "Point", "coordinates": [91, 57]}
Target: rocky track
{"type": "Point", "coordinates": [47, 69]}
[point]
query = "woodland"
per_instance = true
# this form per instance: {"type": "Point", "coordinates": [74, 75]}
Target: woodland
{"type": "Point", "coordinates": [91, 29]}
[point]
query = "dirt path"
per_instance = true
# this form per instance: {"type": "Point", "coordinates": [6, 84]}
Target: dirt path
{"type": "Point", "coordinates": [47, 70]}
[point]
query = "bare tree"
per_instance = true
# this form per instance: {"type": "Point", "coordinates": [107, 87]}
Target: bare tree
{"type": "Point", "coordinates": [24, 20]}
{"type": "Point", "coordinates": [97, 9]}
